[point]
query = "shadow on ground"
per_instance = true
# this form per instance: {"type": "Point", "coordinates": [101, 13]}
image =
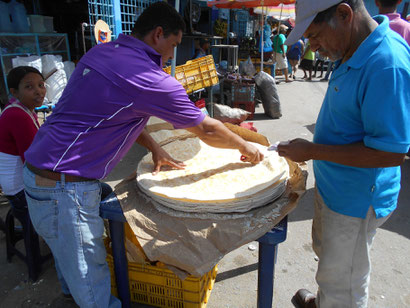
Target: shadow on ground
{"type": "Point", "coordinates": [236, 272]}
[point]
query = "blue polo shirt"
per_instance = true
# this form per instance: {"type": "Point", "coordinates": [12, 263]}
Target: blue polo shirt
{"type": "Point", "coordinates": [368, 100]}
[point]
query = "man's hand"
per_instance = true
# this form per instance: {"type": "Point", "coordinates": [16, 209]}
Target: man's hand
{"type": "Point", "coordinates": [159, 156]}
{"type": "Point", "coordinates": [162, 158]}
{"type": "Point", "coordinates": [251, 154]}
{"type": "Point", "coordinates": [297, 150]}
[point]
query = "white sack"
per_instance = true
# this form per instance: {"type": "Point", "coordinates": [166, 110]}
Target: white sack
{"type": "Point", "coordinates": [55, 86]}
{"type": "Point", "coordinates": [33, 61]}
{"type": "Point", "coordinates": [225, 113]}
{"type": "Point", "coordinates": [51, 63]}
{"type": "Point", "coordinates": [69, 67]}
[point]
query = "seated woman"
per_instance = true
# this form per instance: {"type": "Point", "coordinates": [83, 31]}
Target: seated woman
{"type": "Point", "coordinates": [202, 51]}
{"type": "Point", "coordinates": [18, 126]}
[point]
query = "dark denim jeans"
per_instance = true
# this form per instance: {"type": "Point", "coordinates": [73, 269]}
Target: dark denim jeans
{"type": "Point", "coordinates": [20, 212]}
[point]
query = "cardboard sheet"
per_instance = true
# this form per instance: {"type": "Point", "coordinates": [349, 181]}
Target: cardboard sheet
{"type": "Point", "coordinates": [194, 244]}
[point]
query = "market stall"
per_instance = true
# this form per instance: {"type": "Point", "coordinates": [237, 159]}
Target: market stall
{"type": "Point", "coordinates": [262, 5]}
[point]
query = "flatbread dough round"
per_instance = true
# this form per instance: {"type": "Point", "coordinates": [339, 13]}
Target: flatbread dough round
{"type": "Point", "coordinates": [214, 180]}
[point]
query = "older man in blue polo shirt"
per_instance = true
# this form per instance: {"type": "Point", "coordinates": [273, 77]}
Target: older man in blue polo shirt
{"type": "Point", "coordinates": [361, 137]}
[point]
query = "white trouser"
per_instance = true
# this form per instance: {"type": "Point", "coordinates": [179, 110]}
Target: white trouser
{"type": "Point", "coordinates": [281, 61]}
{"type": "Point", "coordinates": [342, 244]}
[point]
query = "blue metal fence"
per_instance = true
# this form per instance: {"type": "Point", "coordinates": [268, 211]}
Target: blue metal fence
{"type": "Point", "coordinates": [130, 11]}
{"type": "Point", "coordinates": [241, 23]}
{"type": "Point", "coordinates": [104, 10]}
{"type": "Point", "coordinates": [120, 15]}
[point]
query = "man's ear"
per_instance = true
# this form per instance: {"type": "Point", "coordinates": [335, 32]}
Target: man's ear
{"type": "Point", "coordinates": [344, 13]}
{"type": "Point", "coordinates": [158, 32]}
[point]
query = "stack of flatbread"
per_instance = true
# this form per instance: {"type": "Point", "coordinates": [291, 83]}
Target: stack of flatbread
{"type": "Point", "coordinates": [214, 180]}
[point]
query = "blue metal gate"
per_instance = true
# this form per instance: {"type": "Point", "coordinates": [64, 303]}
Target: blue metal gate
{"type": "Point", "coordinates": [241, 24]}
{"type": "Point", "coordinates": [120, 15]}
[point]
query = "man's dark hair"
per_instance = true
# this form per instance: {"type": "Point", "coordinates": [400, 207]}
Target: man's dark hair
{"type": "Point", "coordinates": [159, 14]}
{"type": "Point", "coordinates": [18, 73]}
{"type": "Point", "coordinates": [203, 41]}
{"type": "Point", "coordinates": [326, 15]}
{"type": "Point", "coordinates": [389, 3]}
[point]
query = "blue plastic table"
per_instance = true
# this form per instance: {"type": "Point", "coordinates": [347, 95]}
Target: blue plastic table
{"type": "Point", "coordinates": [110, 209]}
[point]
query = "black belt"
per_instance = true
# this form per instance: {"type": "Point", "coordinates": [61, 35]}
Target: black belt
{"type": "Point", "coordinates": [56, 176]}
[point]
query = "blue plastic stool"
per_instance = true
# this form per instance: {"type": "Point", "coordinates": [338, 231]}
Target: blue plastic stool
{"type": "Point", "coordinates": [268, 252]}
{"type": "Point", "coordinates": [110, 209]}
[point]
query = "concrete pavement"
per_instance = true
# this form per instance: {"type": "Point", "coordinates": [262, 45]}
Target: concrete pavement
{"type": "Point", "coordinates": [236, 283]}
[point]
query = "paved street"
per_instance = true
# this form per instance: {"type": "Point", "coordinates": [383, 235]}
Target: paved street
{"type": "Point", "coordinates": [236, 283]}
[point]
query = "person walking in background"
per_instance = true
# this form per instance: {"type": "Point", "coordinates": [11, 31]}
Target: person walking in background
{"type": "Point", "coordinates": [330, 65]}
{"type": "Point", "coordinates": [361, 138]}
{"type": "Point", "coordinates": [389, 8]}
{"type": "Point", "coordinates": [320, 61]}
{"type": "Point", "coordinates": [279, 51]}
{"type": "Point", "coordinates": [294, 53]}
{"type": "Point", "coordinates": [307, 61]}
{"type": "Point", "coordinates": [18, 126]}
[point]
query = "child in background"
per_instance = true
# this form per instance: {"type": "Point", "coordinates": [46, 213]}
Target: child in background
{"type": "Point", "coordinates": [18, 126]}
{"type": "Point", "coordinates": [320, 61]}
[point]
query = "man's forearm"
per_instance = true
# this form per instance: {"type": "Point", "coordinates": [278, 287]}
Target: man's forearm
{"type": "Point", "coordinates": [215, 134]}
{"type": "Point", "coordinates": [147, 141]}
{"type": "Point", "coordinates": [356, 155]}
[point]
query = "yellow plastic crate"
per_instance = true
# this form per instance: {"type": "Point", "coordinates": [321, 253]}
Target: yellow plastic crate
{"type": "Point", "coordinates": [160, 287]}
{"type": "Point", "coordinates": [266, 69]}
{"type": "Point", "coordinates": [196, 74]}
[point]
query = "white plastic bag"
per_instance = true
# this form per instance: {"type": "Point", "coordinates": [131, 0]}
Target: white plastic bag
{"type": "Point", "coordinates": [55, 85]}
{"type": "Point", "coordinates": [51, 63]}
{"type": "Point", "coordinates": [247, 68]}
{"type": "Point", "coordinates": [69, 67]}
{"type": "Point", "coordinates": [33, 61]}
{"type": "Point", "coordinates": [225, 113]}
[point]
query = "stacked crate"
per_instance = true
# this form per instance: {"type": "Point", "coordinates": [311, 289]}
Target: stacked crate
{"type": "Point", "coordinates": [243, 96]}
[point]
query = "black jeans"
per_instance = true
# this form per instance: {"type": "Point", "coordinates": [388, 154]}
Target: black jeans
{"type": "Point", "coordinates": [19, 206]}
{"type": "Point", "coordinates": [20, 212]}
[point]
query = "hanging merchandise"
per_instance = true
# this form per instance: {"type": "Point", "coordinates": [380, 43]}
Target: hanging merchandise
{"type": "Point", "coordinates": [102, 32]}
{"type": "Point", "coordinates": [220, 28]}
{"type": "Point", "coordinates": [18, 17]}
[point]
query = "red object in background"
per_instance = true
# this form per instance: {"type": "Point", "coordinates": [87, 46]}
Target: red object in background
{"type": "Point", "coordinates": [200, 103]}
{"type": "Point", "coordinates": [248, 106]}
{"type": "Point", "coordinates": [248, 125]}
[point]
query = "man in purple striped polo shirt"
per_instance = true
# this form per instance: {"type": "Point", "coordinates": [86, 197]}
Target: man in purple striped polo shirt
{"type": "Point", "coordinates": [113, 91]}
